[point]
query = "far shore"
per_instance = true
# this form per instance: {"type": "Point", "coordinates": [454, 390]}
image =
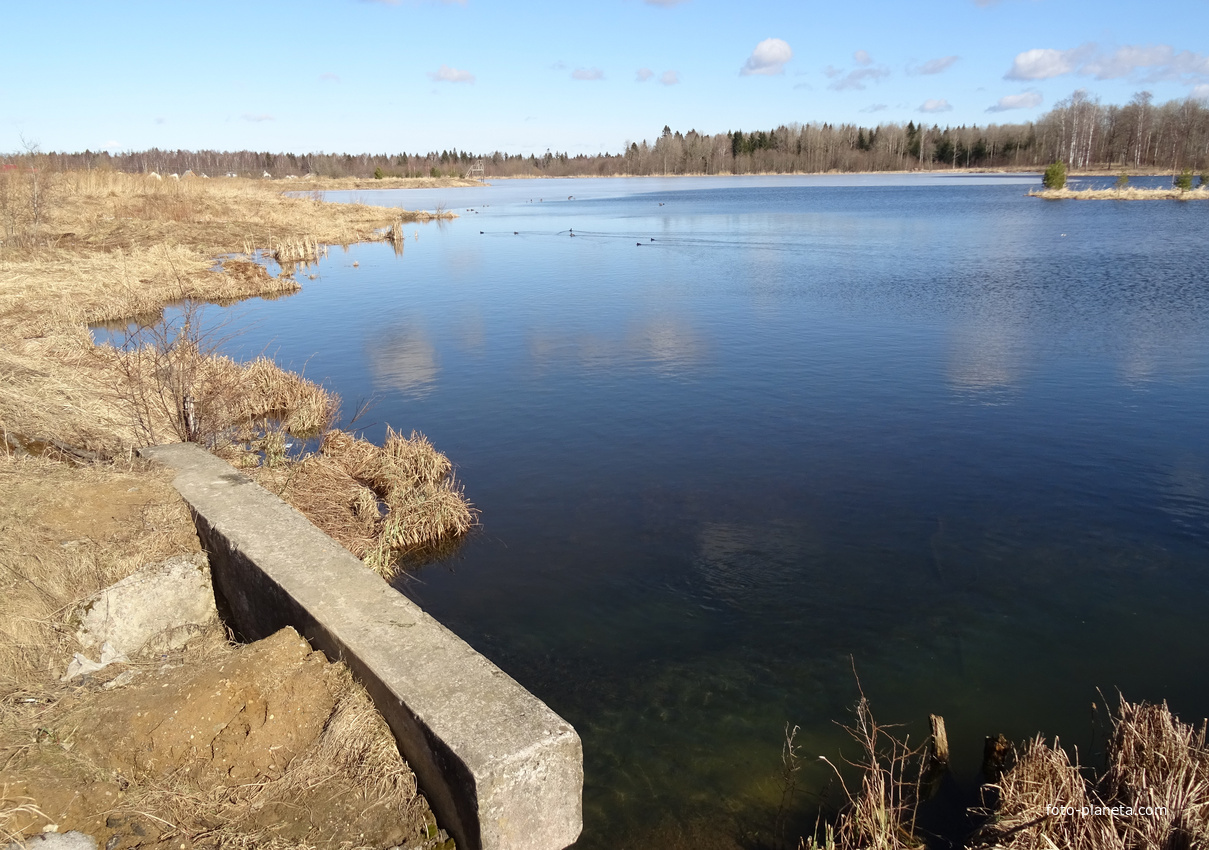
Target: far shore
{"type": "Point", "coordinates": [1201, 193]}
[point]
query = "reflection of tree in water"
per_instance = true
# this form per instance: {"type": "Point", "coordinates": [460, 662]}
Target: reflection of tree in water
{"type": "Point", "coordinates": [404, 360]}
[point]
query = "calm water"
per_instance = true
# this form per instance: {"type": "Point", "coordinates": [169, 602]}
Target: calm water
{"type": "Point", "coordinates": [928, 424]}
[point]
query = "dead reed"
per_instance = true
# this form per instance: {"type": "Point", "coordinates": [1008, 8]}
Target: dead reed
{"type": "Point", "coordinates": [880, 813]}
{"type": "Point", "coordinates": [1123, 194]}
{"type": "Point", "coordinates": [1154, 792]}
{"type": "Point", "coordinates": [379, 502]}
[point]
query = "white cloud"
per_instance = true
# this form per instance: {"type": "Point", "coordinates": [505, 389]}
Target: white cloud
{"type": "Point", "coordinates": [587, 74]}
{"type": "Point", "coordinates": [862, 57]}
{"type": "Point", "coordinates": [1042, 63]}
{"type": "Point", "coordinates": [768, 58]}
{"type": "Point", "coordinates": [1160, 60]}
{"type": "Point", "coordinates": [669, 78]}
{"type": "Point", "coordinates": [161, 120]}
{"type": "Point", "coordinates": [856, 79]}
{"type": "Point", "coordinates": [935, 105]}
{"type": "Point", "coordinates": [256, 118]}
{"type": "Point", "coordinates": [329, 77]}
{"type": "Point", "coordinates": [877, 107]}
{"type": "Point", "coordinates": [1201, 92]}
{"type": "Point", "coordinates": [1024, 100]}
{"type": "Point", "coordinates": [446, 74]}
{"type": "Point", "coordinates": [644, 74]}
{"type": "Point", "coordinates": [934, 66]}
{"type": "Point", "coordinates": [1149, 63]}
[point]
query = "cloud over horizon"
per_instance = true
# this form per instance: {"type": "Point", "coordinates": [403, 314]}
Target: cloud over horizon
{"type": "Point", "coordinates": [1024, 100]}
{"type": "Point", "coordinates": [446, 74]}
{"type": "Point", "coordinates": [669, 78]}
{"type": "Point", "coordinates": [935, 105]}
{"type": "Point", "coordinates": [855, 79]}
{"type": "Point", "coordinates": [1152, 63]}
{"type": "Point", "coordinates": [934, 66]}
{"type": "Point", "coordinates": [587, 74]}
{"type": "Point", "coordinates": [644, 74]}
{"type": "Point", "coordinates": [256, 118]}
{"type": "Point", "coordinates": [768, 59]}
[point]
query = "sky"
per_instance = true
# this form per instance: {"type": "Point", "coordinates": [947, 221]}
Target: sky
{"type": "Point", "coordinates": [387, 76]}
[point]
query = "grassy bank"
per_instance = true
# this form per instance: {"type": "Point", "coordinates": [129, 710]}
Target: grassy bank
{"type": "Point", "coordinates": [80, 511]}
{"type": "Point", "coordinates": [112, 246]}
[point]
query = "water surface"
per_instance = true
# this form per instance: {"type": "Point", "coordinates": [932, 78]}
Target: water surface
{"type": "Point", "coordinates": [737, 435]}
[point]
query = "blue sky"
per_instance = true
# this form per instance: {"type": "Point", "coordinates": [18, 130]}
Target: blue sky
{"type": "Point", "coordinates": [419, 75]}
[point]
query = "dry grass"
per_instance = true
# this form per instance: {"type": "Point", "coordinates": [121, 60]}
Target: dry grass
{"type": "Point", "coordinates": [113, 247]}
{"type": "Point", "coordinates": [380, 502]}
{"type": "Point", "coordinates": [66, 533]}
{"type": "Point", "coordinates": [1126, 194]}
{"type": "Point", "coordinates": [1154, 792]}
{"type": "Point", "coordinates": [119, 246]}
{"type": "Point", "coordinates": [880, 814]}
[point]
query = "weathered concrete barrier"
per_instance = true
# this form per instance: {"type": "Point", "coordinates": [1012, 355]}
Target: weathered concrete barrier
{"type": "Point", "coordinates": [500, 769]}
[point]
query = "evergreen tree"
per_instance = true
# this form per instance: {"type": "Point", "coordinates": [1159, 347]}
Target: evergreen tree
{"type": "Point", "coordinates": [1055, 176]}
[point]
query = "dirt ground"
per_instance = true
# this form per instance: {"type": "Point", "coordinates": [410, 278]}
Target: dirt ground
{"type": "Point", "coordinates": [264, 745]}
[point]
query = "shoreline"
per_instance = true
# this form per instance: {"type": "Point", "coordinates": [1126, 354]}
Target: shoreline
{"type": "Point", "coordinates": [84, 513]}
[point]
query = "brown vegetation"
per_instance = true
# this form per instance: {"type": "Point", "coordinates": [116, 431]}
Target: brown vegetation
{"type": "Point", "coordinates": [80, 512]}
{"type": "Point", "coordinates": [1124, 194]}
{"type": "Point", "coordinates": [381, 502]}
{"type": "Point", "coordinates": [1154, 791]}
{"type": "Point", "coordinates": [880, 813]}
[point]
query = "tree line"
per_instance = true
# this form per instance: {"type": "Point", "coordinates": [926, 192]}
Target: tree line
{"type": "Point", "coordinates": [1078, 131]}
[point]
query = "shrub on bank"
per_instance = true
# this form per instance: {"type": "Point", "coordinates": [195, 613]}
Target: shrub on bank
{"type": "Point", "coordinates": [1055, 176]}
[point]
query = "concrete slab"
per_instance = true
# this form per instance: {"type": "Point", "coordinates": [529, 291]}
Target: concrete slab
{"type": "Point", "coordinates": [500, 769]}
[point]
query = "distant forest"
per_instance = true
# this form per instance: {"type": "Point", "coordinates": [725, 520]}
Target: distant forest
{"type": "Point", "coordinates": [1079, 131]}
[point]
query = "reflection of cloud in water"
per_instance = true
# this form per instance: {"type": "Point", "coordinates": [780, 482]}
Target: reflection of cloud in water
{"type": "Point", "coordinates": [983, 358]}
{"type": "Point", "coordinates": [666, 346]}
{"type": "Point", "coordinates": [472, 333]}
{"type": "Point", "coordinates": [1186, 491]}
{"type": "Point", "coordinates": [671, 346]}
{"type": "Point", "coordinates": [404, 360]}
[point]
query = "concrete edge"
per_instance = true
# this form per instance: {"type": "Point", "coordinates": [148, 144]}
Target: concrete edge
{"type": "Point", "coordinates": [500, 769]}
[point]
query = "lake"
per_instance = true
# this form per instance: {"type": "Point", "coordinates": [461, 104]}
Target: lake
{"type": "Point", "coordinates": [736, 437]}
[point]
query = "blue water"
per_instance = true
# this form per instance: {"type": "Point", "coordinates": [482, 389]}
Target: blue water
{"type": "Point", "coordinates": [923, 425]}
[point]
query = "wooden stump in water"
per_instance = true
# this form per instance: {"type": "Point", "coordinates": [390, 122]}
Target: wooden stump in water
{"type": "Point", "coordinates": [936, 763]}
{"type": "Point", "coordinates": [998, 755]}
{"type": "Point", "coordinates": [938, 753]}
